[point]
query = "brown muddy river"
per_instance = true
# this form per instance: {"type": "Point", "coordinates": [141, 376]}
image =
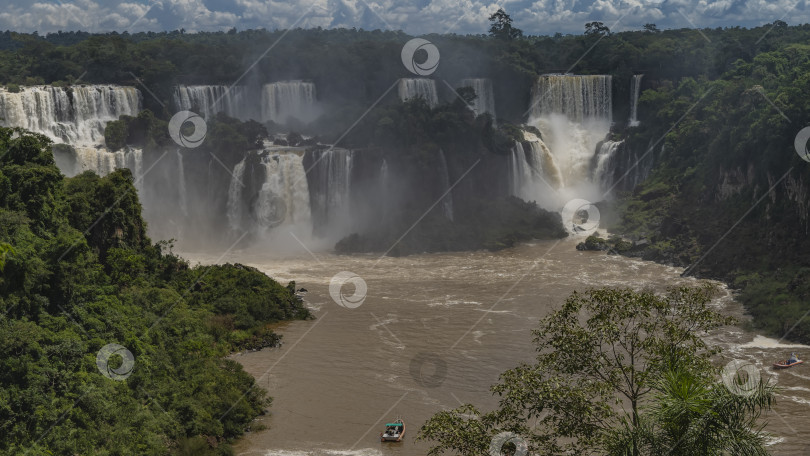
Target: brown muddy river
{"type": "Point", "coordinates": [435, 331]}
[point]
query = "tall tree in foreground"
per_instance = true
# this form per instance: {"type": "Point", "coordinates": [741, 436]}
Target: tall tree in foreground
{"type": "Point", "coordinates": [618, 372]}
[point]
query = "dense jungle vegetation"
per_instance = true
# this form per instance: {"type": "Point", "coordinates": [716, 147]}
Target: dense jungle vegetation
{"type": "Point", "coordinates": [76, 277]}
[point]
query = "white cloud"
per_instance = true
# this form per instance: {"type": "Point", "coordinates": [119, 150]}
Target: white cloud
{"type": "Point", "coordinates": [413, 16]}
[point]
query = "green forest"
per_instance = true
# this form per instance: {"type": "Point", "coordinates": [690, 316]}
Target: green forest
{"type": "Point", "coordinates": [67, 290]}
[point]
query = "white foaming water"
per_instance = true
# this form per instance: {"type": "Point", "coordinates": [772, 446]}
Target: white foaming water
{"type": "Point", "coordinates": [604, 160]}
{"type": "Point", "coordinates": [635, 91]}
{"type": "Point", "coordinates": [485, 101]}
{"type": "Point", "coordinates": [283, 180]}
{"type": "Point", "coordinates": [208, 100]}
{"type": "Point", "coordinates": [80, 159]}
{"type": "Point", "coordinates": [284, 99]}
{"type": "Point", "coordinates": [573, 114]}
{"type": "Point", "coordinates": [533, 172]}
{"type": "Point", "coordinates": [75, 116]}
{"type": "Point", "coordinates": [410, 88]}
{"type": "Point", "coordinates": [768, 343]}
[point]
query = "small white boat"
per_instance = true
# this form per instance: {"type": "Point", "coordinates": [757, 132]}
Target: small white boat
{"type": "Point", "coordinates": [394, 432]}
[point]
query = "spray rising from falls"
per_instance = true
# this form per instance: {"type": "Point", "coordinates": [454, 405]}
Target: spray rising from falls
{"type": "Point", "coordinates": [635, 91]}
{"type": "Point", "coordinates": [410, 88]}
{"type": "Point", "coordinates": [573, 114]}
{"type": "Point", "coordinates": [208, 100]}
{"type": "Point", "coordinates": [485, 98]}
{"type": "Point", "coordinates": [181, 187]}
{"type": "Point", "coordinates": [285, 99]}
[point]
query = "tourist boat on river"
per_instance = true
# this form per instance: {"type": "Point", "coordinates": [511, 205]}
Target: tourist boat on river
{"type": "Point", "coordinates": [785, 364]}
{"type": "Point", "coordinates": [394, 432]}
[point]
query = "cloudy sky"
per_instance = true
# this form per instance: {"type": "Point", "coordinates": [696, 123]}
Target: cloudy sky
{"type": "Point", "coordinates": [543, 17]}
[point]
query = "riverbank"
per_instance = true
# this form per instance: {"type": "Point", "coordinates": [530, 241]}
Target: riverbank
{"type": "Point", "coordinates": [352, 367]}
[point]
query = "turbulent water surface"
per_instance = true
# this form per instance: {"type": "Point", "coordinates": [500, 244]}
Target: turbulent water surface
{"type": "Point", "coordinates": [339, 378]}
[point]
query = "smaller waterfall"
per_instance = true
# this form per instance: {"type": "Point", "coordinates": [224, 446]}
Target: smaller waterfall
{"type": "Point", "coordinates": [273, 193]}
{"type": "Point", "coordinates": [604, 168]}
{"type": "Point", "coordinates": [542, 163]}
{"type": "Point", "coordinates": [485, 100]}
{"type": "Point", "coordinates": [635, 91]}
{"type": "Point", "coordinates": [208, 100]}
{"type": "Point", "coordinates": [520, 174]}
{"type": "Point", "coordinates": [533, 171]}
{"type": "Point", "coordinates": [181, 187]}
{"type": "Point", "coordinates": [235, 203]}
{"type": "Point", "coordinates": [76, 160]}
{"type": "Point", "coordinates": [425, 88]}
{"type": "Point", "coordinates": [330, 183]}
{"type": "Point", "coordinates": [285, 99]}
{"type": "Point", "coordinates": [447, 200]}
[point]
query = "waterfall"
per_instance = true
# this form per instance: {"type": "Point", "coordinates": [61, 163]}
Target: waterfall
{"type": "Point", "coordinates": [447, 200]}
{"type": "Point", "coordinates": [425, 88]}
{"type": "Point", "coordinates": [274, 193]}
{"type": "Point", "coordinates": [533, 171]}
{"type": "Point", "coordinates": [604, 168]}
{"type": "Point", "coordinates": [485, 100]}
{"type": "Point", "coordinates": [577, 97]}
{"type": "Point", "coordinates": [635, 91]}
{"type": "Point", "coordinates": [181, 187]}
{"type": "Point", "coordinates": [285, 99]}
{"type": "Point", "coordinates": [75, 115]}
{"type": "Point", "coordinates": [208, 100]}
{"type": "Point", "coordinates": [329, 180]}
{"type": "Point", "coordinates": [284, 180]}
{"type": "Point", "coordinates": [235, 212]}
{"type": "Point", "coordinates": [573, 114]}
{"type": "Point", "coordinates": [76, 160]}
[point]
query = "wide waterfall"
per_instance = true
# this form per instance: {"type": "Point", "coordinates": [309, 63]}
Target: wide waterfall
{"type": "Point", "coordinates": [573, 114]}
{"type": "Point", "coordinates": [410, 88]}
{"type": "Point", "coordinates": [76, 115]}
{"type": "Point", "coordinates": [280, 198]}
{"type": "Point", "coordinates": [635, 91]}
{"type": "Point", "coordinates": [444, 174]}
{"type": "Point", "coordinates": [329, 179]}
{"type": "Point", "coordinates": [577, 97]}
{"type": "Point", "coordinates": [208, 100]}
{"type": "Point", "coordinates": [285, 99]}
{"type": "Point", "coordinates": [76, 160]}
{"type": "Point", "coordinates": [485, 98]}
